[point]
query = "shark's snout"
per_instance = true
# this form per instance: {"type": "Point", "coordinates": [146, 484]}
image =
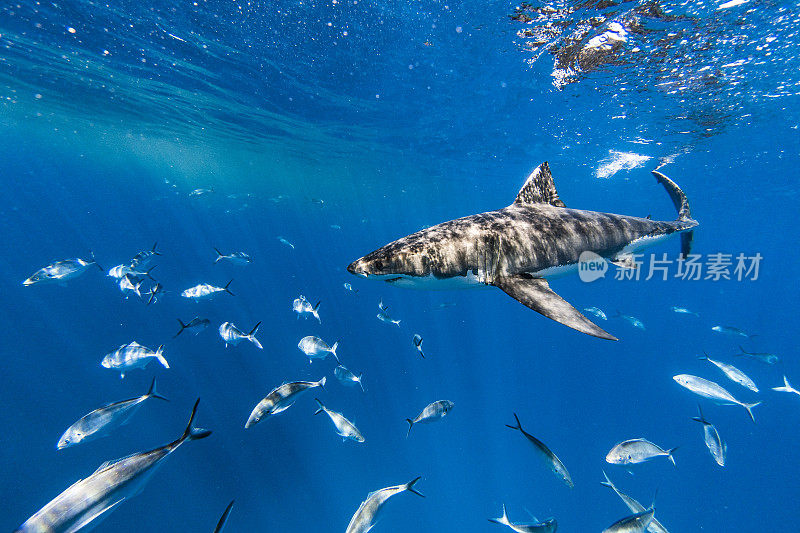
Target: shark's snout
{"type": "Point", "coordinates": [357, 268]}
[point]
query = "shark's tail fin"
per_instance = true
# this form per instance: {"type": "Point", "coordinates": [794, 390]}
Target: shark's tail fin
{"type": "Point", "coordinates": [684, 212]}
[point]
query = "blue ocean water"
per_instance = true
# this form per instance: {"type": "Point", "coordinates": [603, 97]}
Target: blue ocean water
{"type": "Point", "coordinates": [340, 126]}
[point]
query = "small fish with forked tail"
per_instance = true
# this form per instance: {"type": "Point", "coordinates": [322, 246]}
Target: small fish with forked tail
{"type": "Point", "coordinates": [233, 335]}
{"type": "Point", "coordinates": [97, 495]}
{"type": "Point", "coordinates": [280, 399]}
{"type": "Point", "coordinates": [316, 348]}
{"type": "Point", "coordinates": [733, 373]}
{"type": "Point", "coordinates": [100, 421]}
{"type": "Point", "coordinates": [552, 461]}
{"type": "Point", "coordinates": [548, 526]}
{"type": "Point", "coordinates": [712, 391]}
{"type": "Point", "coordinates": [367, 513]}
{"type": "Point", "coordinates": [195, 325]}
{"type": "Point", "coordinates": [347, 378]}
{"type": "Point", "coordinates": [133, 355]}
{"type": "Point", "coordinates": [236, 258]}
{"type": "Point", "coordinates": [345, 428]}
{"type": "Point", "coordinates": [60, 271]}
{"type": "Point", "coordinates": [636, 451]}
{"type": "Point", "coordinates": [432, 412]}
{"type": "Point", "coordinates": [205, 290]}
{"type": "Point", "coordinates": [713, 441]}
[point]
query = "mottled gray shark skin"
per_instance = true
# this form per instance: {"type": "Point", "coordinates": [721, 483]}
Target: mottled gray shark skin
{"type": "Point", "coordinates": [519, 247]}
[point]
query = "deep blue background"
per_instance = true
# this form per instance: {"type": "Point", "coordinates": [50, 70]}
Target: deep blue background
{"type": "Point", "coordinates": [272, 114]}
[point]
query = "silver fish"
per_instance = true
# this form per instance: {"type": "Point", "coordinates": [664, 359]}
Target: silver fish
{"type": "Point", "coordinates": [596, 311]}
{"type": "Point", "coordinates": [347, 378]}
{"type": "Point", "coordinates": [224, 518]}
{"type": "Point", "coordinates": [200, 192]}
{"type": "Point", "coordinates": [713, 391]}
{"type": "Point", "coordinates": [60, 271]}
{"type": "Point", "coordinates": [548, 526]}
{"type": "Point", "coordinates": [350, 288]}
{"type": "Point", "coordinates": [89, 500]}
{"type": "Point", "coordinates": [204, 290]}
{"type": "Point", "coordinates": [417, 340]}
{"type": "Point", "coordinates": [683, 311]}
{"type": "Point", "coordinates": [303, 307]}
{"type": "Point", "coordinates": [552, 461]}
{"type": "Point", "coordinates": [637, 523]}
{"type": "Point", "coordinates": [383, 315]}
{"type": "Point", "coordinates": [764, 357]}
{"type": "Point", "coordinates": [787, 387]}
{"type": "Point", "coordinates": [316, 348]}
{"type": "Point", "coordinates": [280, 399]}
{"type": "Point", "coordinates": [632, 320]}
{"type": "Point", "coordinates": [733, 373]}
{"type": "Point", "coordinates": [237, 258]}
{"type": "Point", "coordinates": [121, 270]}
{"type": "Point", "coordinates": [367, 513]}
{"type": "Point", "coordinates": [634, 506]}
{"type": "Point", "coordinates": [143, 259]}
{"type": "Point", "coordinates": [128, 284]}
{"type": "Point", "coordinates": [730, 330]}
{"type": "Point", "coordinates": [345, 428]}
{"type": "Point", "coordinates": [432, 412]}
{"type": "Point", "coordinates": [195, 325]}
{"type": "Point", "coordinates": [100, 421]}
{"type": "Point", "coordinates": [133, 355]}
{"type": "Point", "coordinates": [233, 335]}
{"type": "Point", "coordinates": [636, 451]}
{"type": "Point", "coordinates": [713, 441]}
{"type": "Point", "coordinates": [287, 243]}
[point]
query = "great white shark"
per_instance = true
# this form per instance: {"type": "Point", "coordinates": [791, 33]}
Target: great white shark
{"type": "Point", "coordinates": [518, 248]}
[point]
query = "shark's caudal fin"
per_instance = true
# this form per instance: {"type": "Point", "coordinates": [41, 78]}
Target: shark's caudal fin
{"type": "Point", "coordinates": [682, 205]}
{"type": "Point", "coordinates": [536, 294]}
{"type": "Point", "coordinates": [539, 188]}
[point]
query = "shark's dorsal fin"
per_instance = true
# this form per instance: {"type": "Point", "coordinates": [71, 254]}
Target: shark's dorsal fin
{"type": "Point", "coordinates": [539, 188]}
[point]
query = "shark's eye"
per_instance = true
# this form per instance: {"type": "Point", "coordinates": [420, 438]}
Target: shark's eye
{"type": "Point", "coordinates": [379, 265]}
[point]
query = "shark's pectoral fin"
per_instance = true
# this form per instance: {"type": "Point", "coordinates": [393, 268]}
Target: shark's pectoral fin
{"type": "Point", "coordinates": [686, 243]}
{"type": "Point", "coordinates": [537, 294]}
